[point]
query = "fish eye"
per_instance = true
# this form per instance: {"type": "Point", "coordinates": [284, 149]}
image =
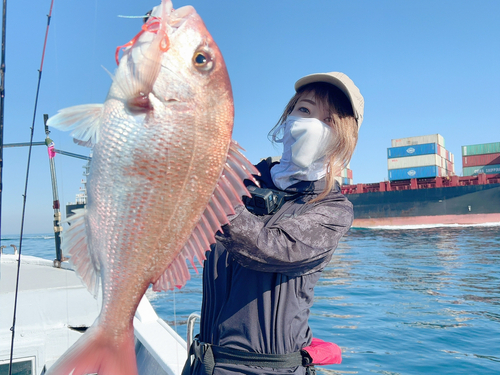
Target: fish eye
{"type": "Point", "coordinates": [200, 59]}
{"type": "Point", "coordinates": [203, 60]}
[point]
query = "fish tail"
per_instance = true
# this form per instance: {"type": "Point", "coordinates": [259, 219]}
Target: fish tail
{"type": "Point", "coordinates": [94, 352]}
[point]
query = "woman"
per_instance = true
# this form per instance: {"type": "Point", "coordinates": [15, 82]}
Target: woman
{"type": "Point", "coordinates": [259, 278]}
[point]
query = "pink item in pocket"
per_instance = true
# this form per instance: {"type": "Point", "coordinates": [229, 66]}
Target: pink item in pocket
{"type": "Point", "coordinates": [324, 353]}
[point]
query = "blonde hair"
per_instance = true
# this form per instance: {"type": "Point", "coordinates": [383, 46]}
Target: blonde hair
{"type": "Point", "coordinates": [344, 124]}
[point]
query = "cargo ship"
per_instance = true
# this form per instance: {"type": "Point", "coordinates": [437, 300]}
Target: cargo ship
{"type": "Point", "coordinates": [423, 189]}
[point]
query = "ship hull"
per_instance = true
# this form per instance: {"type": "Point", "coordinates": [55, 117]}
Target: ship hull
{"type": "Point", "coordinates": [465, 205]}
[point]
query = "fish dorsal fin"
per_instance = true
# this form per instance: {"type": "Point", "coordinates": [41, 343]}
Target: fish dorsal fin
{"type": "Point", "coordinates": [226, 196]}
{"type": "Point", "coordinates": [75, 245]}
{"type": "Point", "coordinates": [82, 120]}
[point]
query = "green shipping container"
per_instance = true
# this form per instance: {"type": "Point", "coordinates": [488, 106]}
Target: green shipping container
{"type": "Point", "coordinates": [481, 149]}
{"type": "Point", "coordinates": [487, 169]}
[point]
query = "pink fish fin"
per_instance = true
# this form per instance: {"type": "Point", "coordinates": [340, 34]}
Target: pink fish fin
{"type": "Point", "coordinates": [82, 121]}
{"type": "Point", "coordinates": [226, 196]}
{"type": "Point", "coordinates": [94, 352]}
{"type": "Point", "coordinates": [74, 244]}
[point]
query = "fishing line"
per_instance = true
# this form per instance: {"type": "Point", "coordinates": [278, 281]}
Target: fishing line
{"type": "Point", "coordinates": [94, 48]}
{"type": "Point", "coordinates": [13, 328]}
{"type": "Point", "coordinates": [175, 313]}
{"type": "Point", "coordinates": [143, 16]}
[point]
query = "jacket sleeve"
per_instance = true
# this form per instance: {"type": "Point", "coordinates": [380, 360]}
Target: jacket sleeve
{"type": "Point", "coordinates": [294, 246]}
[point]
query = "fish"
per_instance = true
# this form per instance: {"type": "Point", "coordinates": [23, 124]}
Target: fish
{"type": "Point", "coordinates": [164, 177]}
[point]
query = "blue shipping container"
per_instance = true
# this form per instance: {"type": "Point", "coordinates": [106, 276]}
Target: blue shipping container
{"type": "Point", "coordinates": [413, 150]}
{"type": "Point", "coordinates": [416, 172]}
{"type": "Point", "coordinates": [347, 181]}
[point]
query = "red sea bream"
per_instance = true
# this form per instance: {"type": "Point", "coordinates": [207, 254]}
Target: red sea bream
{"type": "Point", "coordinates": [164, 176]}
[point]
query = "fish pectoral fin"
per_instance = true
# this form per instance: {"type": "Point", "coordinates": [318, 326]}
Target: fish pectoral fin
{"type": "Point", "coordinates": [75, 245]}
{"type": "Point", "coordinates": [82, 120]}
{"type": "Point", "coordinates": [227, 195]}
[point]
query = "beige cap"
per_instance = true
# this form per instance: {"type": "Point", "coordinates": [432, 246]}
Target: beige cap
{"type": "Point", "coordinates": [344, 83]}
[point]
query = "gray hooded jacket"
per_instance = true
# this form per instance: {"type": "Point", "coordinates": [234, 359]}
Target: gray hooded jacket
{"type": "Point", "coordinates": [259, 278]}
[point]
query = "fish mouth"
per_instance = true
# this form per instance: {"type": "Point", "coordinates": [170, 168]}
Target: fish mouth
{"type": "Point", "coordinates": [174, 18]}
{"type": "Point", "coordinates": [145, 60]}
{"type": "Point", "coordinates": [179, 16]}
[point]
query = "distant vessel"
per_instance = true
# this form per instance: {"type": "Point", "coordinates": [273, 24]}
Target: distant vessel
{"type": "Point", "coordinates": [424, 190]}
{"type": "Point", "coordinates": [81, 197]}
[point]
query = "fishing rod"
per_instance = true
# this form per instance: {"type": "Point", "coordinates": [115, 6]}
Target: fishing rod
{"type": "Point", "coordinates": [56, 206]}
{"type": "Point", "coordinates": [2, 96]}
{"type": "Point", "coordinates": [13, 328]}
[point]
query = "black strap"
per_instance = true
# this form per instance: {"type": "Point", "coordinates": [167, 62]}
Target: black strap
{"type": "Point", "coordinates": [239, 357]}
{"type": "Point", "coordinates": [208, 355]}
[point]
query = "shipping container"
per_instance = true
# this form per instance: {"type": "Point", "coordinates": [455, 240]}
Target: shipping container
{"type": "Point", "coordinates": [423, 139]}
{"type": "Point", "coordinates": [450, 167]}
{"type": "Point", "coordinates": [441, 151]}
{"type": "Point", "coordinates": [347, 181]}
{"type": "Point", "coordinates": [347, 173]}
{"type": "Point", "coordinates": [488, 169]}
{"type": "Point", "coordinates": [476, 160]}
{"type": "Point", "coordinates": [417, 172]}
{"type": "Point", "coordinates": [344, 181]}
{"type": "Point", "coordinates": [480, 149]}
{"type": "Point", "coordinates": [445, 154]}
{"type": "Point", "coordinates": [416, 161]}
{"type": "Point", "coordinates": [399, 152]}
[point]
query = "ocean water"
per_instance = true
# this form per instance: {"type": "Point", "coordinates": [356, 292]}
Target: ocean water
{"type": "Point", "coordinates": [399, 301]}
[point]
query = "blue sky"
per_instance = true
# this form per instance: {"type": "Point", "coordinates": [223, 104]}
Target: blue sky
{"type": "Point", "coordinates": [424, 67]}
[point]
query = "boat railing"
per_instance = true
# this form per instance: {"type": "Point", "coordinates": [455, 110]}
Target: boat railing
{"type": "Point", "coordinates": [4, 246]}
{"type": "Point", "coordinates": [190, 329]}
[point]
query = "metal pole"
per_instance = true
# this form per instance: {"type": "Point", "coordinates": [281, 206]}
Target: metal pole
{"type": "Point", "coordinates": [56, 206]}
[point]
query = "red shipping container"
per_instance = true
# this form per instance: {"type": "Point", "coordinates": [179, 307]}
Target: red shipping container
{"type": "Point", "coordinates": [441, 151]}
{"type": "Point", "coordinates": [477, 160]}
{"type": "Point", "coordinates": [450, 167]}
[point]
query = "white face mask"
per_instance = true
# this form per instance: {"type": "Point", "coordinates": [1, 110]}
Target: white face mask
{"type": "Point", "coordinates": [306, 142]}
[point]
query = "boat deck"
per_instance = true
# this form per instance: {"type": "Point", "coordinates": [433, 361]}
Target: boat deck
{"type": "Point", "coordinates": [54, 309]}
{"type": "Point", "coordinates": [42, 275]}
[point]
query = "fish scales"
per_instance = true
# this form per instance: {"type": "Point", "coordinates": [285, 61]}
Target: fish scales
{"type": "Point", "coordinates": [161, 181]}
